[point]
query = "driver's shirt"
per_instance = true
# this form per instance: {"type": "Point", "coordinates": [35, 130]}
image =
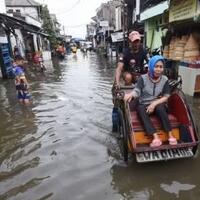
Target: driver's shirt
{"type": "Point", "coordinates": [134, 62]}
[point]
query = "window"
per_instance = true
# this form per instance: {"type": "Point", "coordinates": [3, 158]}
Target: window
{"type": "Point", "coordinates": [10, 11]}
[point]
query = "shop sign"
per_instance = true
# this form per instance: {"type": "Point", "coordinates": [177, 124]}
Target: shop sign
{"type": "Point", "coordinates": [117, 37]}
{"type": "Point", "coordinates": [104, 23]}
{"type": "Point", "coordinates": [182, 9]}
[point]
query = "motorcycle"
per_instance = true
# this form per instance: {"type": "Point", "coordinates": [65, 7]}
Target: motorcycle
{"type": "Point", "coordinates": [155, 51]}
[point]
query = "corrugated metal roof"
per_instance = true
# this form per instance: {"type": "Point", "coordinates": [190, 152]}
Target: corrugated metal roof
{"type": "Point", "coordinates": [22, 3]}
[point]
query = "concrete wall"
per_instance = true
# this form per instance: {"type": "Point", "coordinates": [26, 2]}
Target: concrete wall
{"type": "Point", "coordinates": [35, 41]}
{"type": "Point", "coordinates": [107, 12]}
{"type": "Point", "coordinates": [118, 17]}
{"type": "Point", "coordinates": [46, 55]}
{"type": "Point", "coordinates": [30, 14]}
{"type": "Point", "coordinates": [19, 42]}
{"type": "Point", "coordinates": [33, 21]}
{"type": "Point", "coordinates": [31, 11]}
{"type": "Point", "coordinates": [2, 6]}
{"type": "Point", "coordinates": [3, 38]}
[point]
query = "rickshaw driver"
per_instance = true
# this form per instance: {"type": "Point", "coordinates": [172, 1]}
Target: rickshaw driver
{"type": "Point", "coordinates": [131, 59]}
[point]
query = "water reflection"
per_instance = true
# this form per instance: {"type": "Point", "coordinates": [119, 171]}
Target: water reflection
{"type": "Point", "coordinates": [163, 180]}
{"type": "Point", "coordinates": [24, 188]}
{"type": "Point", "coordinates": [176, 187]}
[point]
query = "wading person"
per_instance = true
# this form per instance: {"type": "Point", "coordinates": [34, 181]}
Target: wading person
{"type": "Point", "coordinates": [21, 83]}
{"type": "Point", "coordinates": [131, 60]}
{"type": "Point", "coordinates": [152, 90]}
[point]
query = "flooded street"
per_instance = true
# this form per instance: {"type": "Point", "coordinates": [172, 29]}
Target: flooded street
{"type": "Point", "coordinates": [62, 147]}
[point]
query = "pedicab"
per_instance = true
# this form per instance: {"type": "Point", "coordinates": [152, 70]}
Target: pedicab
{"type": "Point", "coordinates": [133, 138]}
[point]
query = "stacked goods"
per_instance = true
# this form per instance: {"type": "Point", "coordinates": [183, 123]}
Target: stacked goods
{"type": "Point", "coordinates": [179, 48]}
{"type": "Point", "coordinates": [191, 50]}
{"type": "Point", "coordinates": [166, 51]}
{"type": "Point", "coordinates": [196, 36]}
{"type": "Point", "coordinates": [171, 48]}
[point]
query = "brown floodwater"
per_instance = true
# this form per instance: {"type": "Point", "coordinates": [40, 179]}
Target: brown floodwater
{"type": "Point", "coordinates": [62, 146]}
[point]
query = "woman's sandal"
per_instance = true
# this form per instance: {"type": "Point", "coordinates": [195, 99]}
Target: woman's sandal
{"type": "Point", "coordinates": [172, 141]}
{"type": "Point", "coordinates": [156, 143]}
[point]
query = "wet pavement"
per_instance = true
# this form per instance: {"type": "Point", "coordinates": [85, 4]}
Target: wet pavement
{"type": "Point", "coordinates": [62, 147]}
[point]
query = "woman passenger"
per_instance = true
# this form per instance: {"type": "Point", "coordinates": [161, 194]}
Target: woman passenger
{"type": "Point", "coordinates": [153, 91]}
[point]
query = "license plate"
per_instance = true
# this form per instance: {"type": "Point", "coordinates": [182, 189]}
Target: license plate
{"type": "Point", "coordinates": [166, 154]}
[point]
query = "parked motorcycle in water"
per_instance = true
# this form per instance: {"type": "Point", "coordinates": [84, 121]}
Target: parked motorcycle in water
{"type": "Point", "coordinates": [155, 51]}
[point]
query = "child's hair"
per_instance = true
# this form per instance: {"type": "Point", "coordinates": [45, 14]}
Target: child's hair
{"type": "Point", "coordinates": [22, 79]}
{"type": "Point", "coordinates": [18, 58]}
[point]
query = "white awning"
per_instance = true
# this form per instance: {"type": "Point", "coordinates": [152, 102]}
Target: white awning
{"type": "Point", "coordinates": [154, 11]}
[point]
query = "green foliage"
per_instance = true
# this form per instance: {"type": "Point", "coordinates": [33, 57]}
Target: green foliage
{"type": "Point", "coordinates": [48, 25]}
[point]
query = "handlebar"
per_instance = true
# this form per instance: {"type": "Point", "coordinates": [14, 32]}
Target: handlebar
{"type": "Point", "coordinates": [119, 92]}
{"type": "Point", "coordinates": [175, 83]}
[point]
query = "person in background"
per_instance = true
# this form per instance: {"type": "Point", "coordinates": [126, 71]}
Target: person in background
{"type": "Point", "coordinates": [38, 61]}
{"type": "Point", "coordinates": [16, 51]}
{"type": "Point", "coordinates": [60, 50]}
{"type": "Point", "coordinates": [74, 49]}
{"type": "Point", "coordinates": [21, 83]}
{"type": "Point", "coordinates": [131, 60]}
{"type": "Point", "coordinates": [152, 90]}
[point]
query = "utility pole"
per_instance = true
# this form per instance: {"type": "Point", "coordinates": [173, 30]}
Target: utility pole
{"type": "Point", "coordinates": [64, 30]}
{"type": "Point", "coordinates": [123, 27]}
{"type": "Point", "coordinates": [124, 5]}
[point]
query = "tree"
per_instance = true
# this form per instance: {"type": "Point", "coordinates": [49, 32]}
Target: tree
{"type": "Point", "coordinates": [48, 26]}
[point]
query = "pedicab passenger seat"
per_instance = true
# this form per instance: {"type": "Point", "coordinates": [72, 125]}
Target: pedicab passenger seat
{"type": "Point", "coordinates": [137, 125]}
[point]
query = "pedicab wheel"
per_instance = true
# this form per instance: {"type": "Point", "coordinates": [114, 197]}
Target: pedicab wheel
{"type": "Point", "coordinates": [123, 136]}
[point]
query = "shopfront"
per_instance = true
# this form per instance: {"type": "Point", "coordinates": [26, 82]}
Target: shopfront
{"type": "Point", "coordinates": [5, 57]}
{"type": "Point", "coordinates": [182, 42]}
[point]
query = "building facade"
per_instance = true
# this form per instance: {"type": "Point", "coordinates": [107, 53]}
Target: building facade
{"type": "Point", "coordinates": [30, 40]}
{"type": "Point", "coordinates": [28, 10]}
{"type": "Point", "coordinates": [153, 18]}
{"type": "Point", "coordinates": [5, 51]}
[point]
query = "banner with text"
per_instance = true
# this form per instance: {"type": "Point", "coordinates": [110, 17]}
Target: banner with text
{"type": "Point", "coordinates": [181, 10]}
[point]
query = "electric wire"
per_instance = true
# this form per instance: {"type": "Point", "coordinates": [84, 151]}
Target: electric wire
{"type": "Point", "coordinates": [70, 9]}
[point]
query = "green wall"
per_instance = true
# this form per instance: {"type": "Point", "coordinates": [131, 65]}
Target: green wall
{"type": "Point", "coordinates": [153, 32]}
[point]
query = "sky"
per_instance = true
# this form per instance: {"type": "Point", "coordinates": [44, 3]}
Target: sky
{"type": "Point", "coordinates": [73, 14]}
